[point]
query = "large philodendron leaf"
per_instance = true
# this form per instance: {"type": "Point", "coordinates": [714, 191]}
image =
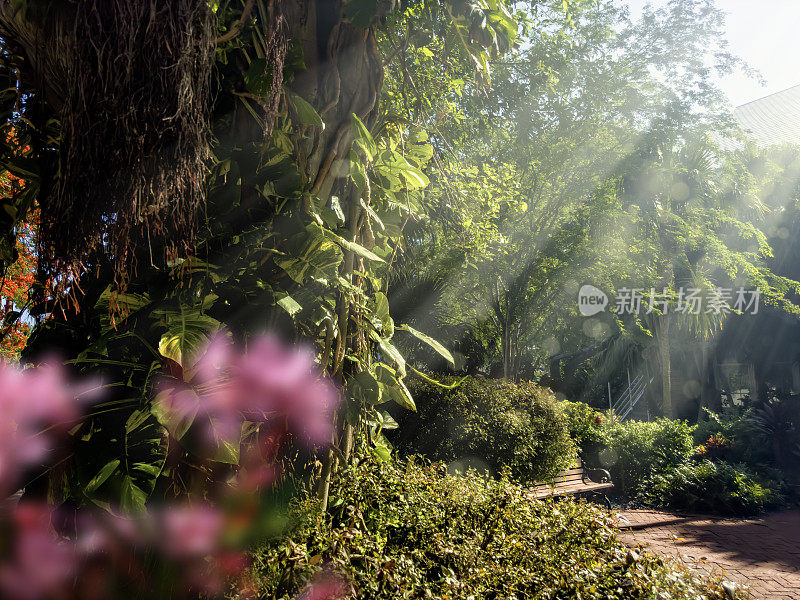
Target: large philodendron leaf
{"type": "Point", "coordinates": [176, 420]}
{"type": "Point", "coordinates": [310, 253]}
{"type": "Point", "coordinates": [187, 332]}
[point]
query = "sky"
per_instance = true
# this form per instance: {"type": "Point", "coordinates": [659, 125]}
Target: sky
{"type": "Point", "coordinates": [765, 34]}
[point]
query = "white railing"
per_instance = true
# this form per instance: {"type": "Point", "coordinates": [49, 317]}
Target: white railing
{"type": "Point", "coordinates": [631, 396]}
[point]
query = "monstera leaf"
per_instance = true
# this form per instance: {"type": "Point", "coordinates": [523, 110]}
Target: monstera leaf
{"type": "Point", "coordinates": [187, 332]}
{"type": "Point", "coordinates": [128, 479]}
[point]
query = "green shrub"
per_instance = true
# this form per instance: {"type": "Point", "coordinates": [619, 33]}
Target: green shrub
{"type": "Point", "coordinates": [408, 530]}
{"type": "Point", "coordinates": [657, 464]}
{"type": "Point", "coordinates": [588, 428]}
{"type": "Point", "coordinates": [639, 449]}
{"type": "Point", "coordinates": [748, 444]}
{"type": "Point", "coordinates": [710, 486]}
{"type": "Point", "coordinates": [489, 423]}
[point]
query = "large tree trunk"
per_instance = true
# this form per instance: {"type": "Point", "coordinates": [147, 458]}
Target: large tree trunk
{"type": "Point", "coordinates": [344, 77]}
{"type": "Point", "coordinates": [662, 334]}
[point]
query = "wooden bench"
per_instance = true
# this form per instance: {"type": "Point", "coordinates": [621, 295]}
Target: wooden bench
{"type": "Point", "coordinates": [578, 480]}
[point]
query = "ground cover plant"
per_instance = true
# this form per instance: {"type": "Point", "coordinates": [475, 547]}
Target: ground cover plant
{"type": "Point", "coordinates": [711, 486]}
{"type": "Point", "coordinates": [407, 529]}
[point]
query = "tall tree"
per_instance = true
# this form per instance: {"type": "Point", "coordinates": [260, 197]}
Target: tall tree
{"type": "Point", "coordinates": [217, 164]}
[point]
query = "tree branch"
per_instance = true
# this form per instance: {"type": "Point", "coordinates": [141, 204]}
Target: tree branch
{"type": "Point", "coordinates": [239, 25]}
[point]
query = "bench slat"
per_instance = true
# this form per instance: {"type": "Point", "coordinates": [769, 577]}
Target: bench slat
{"type": "Point", "coordinates": [571, 481]}
{"type": "Point", "coordinates": [573, 477]}
{"type": "Point", "coordinates": [577, 489]}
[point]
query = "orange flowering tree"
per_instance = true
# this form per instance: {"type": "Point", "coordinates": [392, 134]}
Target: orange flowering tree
{"type": "Point", "coordinates": [17, 279]}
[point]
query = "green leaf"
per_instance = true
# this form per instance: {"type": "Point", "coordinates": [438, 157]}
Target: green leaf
{"type": "Point", "coordinates": [336, 206]}
{"type": "Point", "coordinates": [102, 476]}
{"type": "Point", "coordinates": [382, 312]}
{"type": "Point", "coordinates": [129, 479]}
{"type": "Point", "coordinates": [187, 333]}
{"type": "Point", "coordinates": [290, 305]}
{"type": "Point", "coordinates": [366, 388]}
{"type": "Point", "coordinates": [128, 302]}
{"type": "Point", "coordinates": [385, 373]}
{"type": "Point", "coordinates": [355, 248]}
{"type": "Point", "coordinates": [358, 173]}
{"type": "Point", "coordinates": [386, 420]}
{"type": "Point", "coordinates": [226, 451]}
{"type": "Point", "coordinates": [389, 349]}
{"type": "Point", "coordinates": [414, 177]}
{"type": "Point", "coordinates": [363, 138]}
{"type": "Point", "coordinates": [444, 352]}
{"type": "Point", "coordinates": [400, 395]}
{"type": "Point", "coordinates": [258, 80]}
{"type": "Point", "coordinates": [352, 246]}
{"type": "Point", "coordinates": [382, 453]}
{"type": "Point", "coordinates": [372, 214]}
{"type": "Point", "coordinates": [305, 112]}
{"type": "Point", "coordinates": [310, 253]}
{"type": "Point", "coordinates": [176, 422]}
{"type": "Point", "coordinates": [382, 306]}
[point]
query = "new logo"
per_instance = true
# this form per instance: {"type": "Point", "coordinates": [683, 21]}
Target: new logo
{"type": "Point", "coordinates": [591, 300]}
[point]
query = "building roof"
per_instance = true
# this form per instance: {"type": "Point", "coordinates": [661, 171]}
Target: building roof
{"type": "Point", "coordinates": [774, 119]}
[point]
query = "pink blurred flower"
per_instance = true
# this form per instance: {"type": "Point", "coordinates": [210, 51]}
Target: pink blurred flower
{"type": "Point", "coordinates": [190, 531]}
{"type": "Point", "coordinates": [40, 565]}
{"type": "Point", "coordinates": [36, 404]}
{"type": "Point", "coordinates": [269, 382]}
{"type": "Point", "coordinates": [274, 378]}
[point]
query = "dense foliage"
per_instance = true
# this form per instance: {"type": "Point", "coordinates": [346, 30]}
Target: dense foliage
{"type": "Point", "coordinates": [396, 187]}
{"type": "Point", "coordinates": [638, 449]}
{"type": "Point", "coordinates": [763, 434]}
{"type": "Point", "coordinates": [588, 429]}
{"type": "Point", "coordinates": [711, 487]}
{"type": "Point", "coordinates": [292, 193]}
{"type": "Point", "coordinates": [408, 530]}
{"type": "Point", "coordinates": [724, 465]}
{"type": "Point", "coordinates": [488, 425]}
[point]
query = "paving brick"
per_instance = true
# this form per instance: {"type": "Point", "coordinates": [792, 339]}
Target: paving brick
{"type": "Point", "coordinates": [763, 554]}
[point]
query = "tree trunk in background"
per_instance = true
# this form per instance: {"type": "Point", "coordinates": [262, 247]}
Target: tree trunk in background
{"type": "Point", "coordinates": [709, 394]}
{"type": "Point", "coordinates": [662, 333]}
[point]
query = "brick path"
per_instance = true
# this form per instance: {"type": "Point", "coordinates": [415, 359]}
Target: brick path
{"type": "Point", "coordinates": [763, 554]}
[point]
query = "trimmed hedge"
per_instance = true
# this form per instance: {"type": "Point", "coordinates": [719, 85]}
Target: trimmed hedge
{"type": "Point", "coordinates": [490, 425]}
